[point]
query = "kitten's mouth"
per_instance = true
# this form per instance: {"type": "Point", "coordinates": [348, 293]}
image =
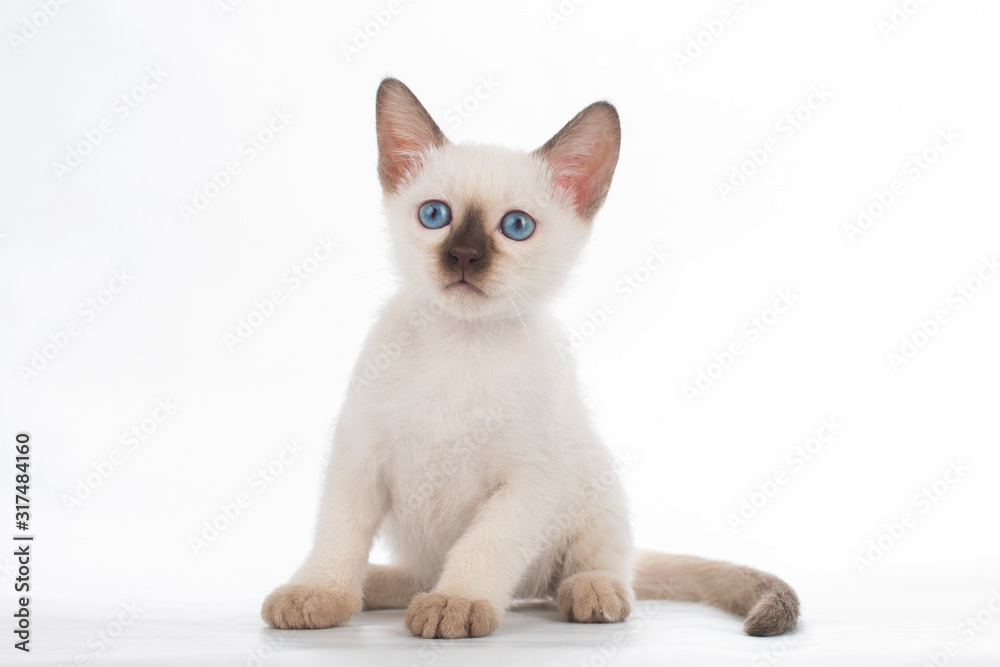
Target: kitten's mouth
{"type": "Point", "coordinates": [463, 286]}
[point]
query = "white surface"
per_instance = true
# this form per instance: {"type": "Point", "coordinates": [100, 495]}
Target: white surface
{"type": "Point", "coordinates": [694, 463]}
{"type": "Point", "coordinates": [888, 624]}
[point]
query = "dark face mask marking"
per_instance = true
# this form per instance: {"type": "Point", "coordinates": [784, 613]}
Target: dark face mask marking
{"type": "Point", "coordinates": [468, 250]}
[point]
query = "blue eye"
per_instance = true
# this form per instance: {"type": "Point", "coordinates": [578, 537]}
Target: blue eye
{"type": "Point", "coordinates": [517, 226]}
{"type": "Point", "coordinates": [434, 214]}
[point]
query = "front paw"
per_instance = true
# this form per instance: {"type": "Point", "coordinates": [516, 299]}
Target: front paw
{"type": "Point", "coordinates": [594, 597]}
{"type": "Point", "coordinates": [443, 616]}
{"type": "Point", "coordinates": [298, 607]}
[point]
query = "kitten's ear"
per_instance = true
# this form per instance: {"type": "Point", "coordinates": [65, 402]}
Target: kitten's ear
{"type": "Point", "coordinates": [583, 156]}
{"type": "Point", "coordinates": [405, 131]}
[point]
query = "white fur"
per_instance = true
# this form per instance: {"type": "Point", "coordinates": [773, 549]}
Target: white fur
{"type": "Point", "coordinates": [471, 446]}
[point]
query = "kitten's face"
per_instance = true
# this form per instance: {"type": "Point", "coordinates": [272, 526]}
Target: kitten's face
{"type": "Point", "coordinates": [469, 263]}
{"type": "Point", "coordinates": [486, 231]}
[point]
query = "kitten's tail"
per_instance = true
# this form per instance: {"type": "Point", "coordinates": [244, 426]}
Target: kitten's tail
{"type": "Point", "coordinates": [769, 604]}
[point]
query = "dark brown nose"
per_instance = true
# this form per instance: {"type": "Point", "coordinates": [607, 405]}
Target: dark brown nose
{"type": "Point", "coordinates": [465, 257]}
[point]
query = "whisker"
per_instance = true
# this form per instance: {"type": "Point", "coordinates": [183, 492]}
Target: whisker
{"type": "Point", "coordinates": [518, 311]}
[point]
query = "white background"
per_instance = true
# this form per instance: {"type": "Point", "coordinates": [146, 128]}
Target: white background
{"type": "Point", "coordinates": [686, 126]}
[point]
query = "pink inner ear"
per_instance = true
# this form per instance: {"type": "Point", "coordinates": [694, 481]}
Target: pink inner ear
{"type": "Point", "coordinates": [583, 156]}
{"type": "Point", "coordinates": [405, 132]}
{"type": "Point", "coordinates": [402, 148]}
{"type": "Point", "coordinates": [584, 170]}
{"type": "Point", "coordinates": [402, 156]}
{"type": "Point", "coordinates": [563, 182]}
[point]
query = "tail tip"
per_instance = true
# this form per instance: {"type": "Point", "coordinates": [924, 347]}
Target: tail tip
{"type": "Point", "coordinates": [775, 613]}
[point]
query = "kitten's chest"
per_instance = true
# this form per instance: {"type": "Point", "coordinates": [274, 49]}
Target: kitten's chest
{"type": "Point", "coordinates": [444, 394]}
{"type": "Point", "coordinates": [453, 413]}
{"type": "Point", "coordinates": [446, 418]}
{"type": "Point", "coordinates": [454, 407]}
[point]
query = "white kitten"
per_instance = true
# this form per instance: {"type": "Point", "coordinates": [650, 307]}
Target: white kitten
{"type": "Point", "coordinates": [464, 437]}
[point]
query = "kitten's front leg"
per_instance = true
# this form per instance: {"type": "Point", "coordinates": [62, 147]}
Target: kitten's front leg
{"type": "Point", "coordinates": [483, 568]}
{"type": "Point", "coordinates": [327, 589]}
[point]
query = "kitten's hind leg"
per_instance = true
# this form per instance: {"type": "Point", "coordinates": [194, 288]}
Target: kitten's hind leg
{"type": "Point", "coordinates": [389, 587]}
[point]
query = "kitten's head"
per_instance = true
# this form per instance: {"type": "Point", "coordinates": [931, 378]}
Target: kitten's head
{"type": "Point", "coordinates": [486, 231]}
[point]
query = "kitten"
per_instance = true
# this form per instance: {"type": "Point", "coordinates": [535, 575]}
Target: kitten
{"type": "Point", "coordinates": [464, 438]}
